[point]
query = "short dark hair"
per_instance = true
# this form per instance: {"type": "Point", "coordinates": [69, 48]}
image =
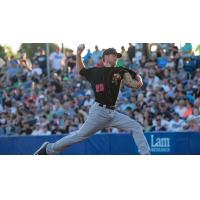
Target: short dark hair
{"type": "Point", "coordinates": [111, 51]}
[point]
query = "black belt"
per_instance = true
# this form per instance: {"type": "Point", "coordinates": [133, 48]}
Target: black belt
{"type": "Point", "coordinates": [106, 106]}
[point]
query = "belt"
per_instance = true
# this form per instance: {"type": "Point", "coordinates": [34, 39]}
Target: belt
{"type": "Point", "coordinates": [106, 106]}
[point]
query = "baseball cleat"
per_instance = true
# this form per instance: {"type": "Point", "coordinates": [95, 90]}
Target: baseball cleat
{"type": "Point", "coordinates": [42, 149]}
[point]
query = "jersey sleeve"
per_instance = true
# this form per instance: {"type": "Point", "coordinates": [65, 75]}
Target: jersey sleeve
{"type": "Point", "coordinates": [122, 71]}
{"type": "Point", "coordinates": [131, 72]}
{"type": "Point", "coordinates": [86, 73]}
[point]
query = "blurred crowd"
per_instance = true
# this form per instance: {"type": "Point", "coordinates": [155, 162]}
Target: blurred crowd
{"type": "Point", "coordinates": [34, 103]}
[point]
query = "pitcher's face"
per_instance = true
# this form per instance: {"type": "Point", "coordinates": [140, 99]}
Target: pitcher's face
{"type": "Point", "coordinates": [111, 60]}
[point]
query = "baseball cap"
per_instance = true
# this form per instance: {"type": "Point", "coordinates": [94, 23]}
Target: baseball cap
{"type": "Point", "coordinates": [111, 51]}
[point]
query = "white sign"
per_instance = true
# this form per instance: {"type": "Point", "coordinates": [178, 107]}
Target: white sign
{"type": "Point", "coordinates": [160, 144]}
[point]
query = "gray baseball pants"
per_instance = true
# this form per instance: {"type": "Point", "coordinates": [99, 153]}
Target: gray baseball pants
{"type": "Point", "coordinates": [98, 119]}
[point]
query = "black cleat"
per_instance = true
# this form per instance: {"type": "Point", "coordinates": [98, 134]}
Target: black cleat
{"type": "Point", "coordinates": [42, 149]}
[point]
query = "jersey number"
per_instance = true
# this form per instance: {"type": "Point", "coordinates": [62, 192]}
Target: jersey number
{"type": "Point", "coordinates": [100, 87]}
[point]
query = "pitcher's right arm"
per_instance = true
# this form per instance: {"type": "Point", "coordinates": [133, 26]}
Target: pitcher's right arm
{"type": "Point", "coordinates": [79, 62]}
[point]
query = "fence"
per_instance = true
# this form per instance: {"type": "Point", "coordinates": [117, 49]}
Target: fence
{"type": "Point", "coordinates": [161, 143]}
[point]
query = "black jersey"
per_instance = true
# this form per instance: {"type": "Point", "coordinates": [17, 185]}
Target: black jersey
{"type": "Point", "coordinates": [105, 82]}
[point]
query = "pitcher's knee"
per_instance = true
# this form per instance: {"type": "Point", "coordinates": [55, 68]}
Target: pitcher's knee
{"type": "Point", "coordinates": [82, 136]}
{"type": "Point", "coordinates": [137, 128]}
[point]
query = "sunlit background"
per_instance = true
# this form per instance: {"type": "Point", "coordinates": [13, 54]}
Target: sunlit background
{"type": "Point", "coordinates": [72, 45]}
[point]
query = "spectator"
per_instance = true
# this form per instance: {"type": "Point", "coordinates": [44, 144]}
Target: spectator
{"type": "Point", "coordinates": [180, 108]}
{"type": "Point", "coordinates": [193, 124]}
{"type": "Point", "coordinates": [189, 110]}
{"type": "Point", "coordinates": [57, 61]}
{"type": "Point", "coordinates": [70, 60]}
{"type": "Point", "coordinates": [38, 130]}
{"type": "Point", "coordinates": [90, 63]}
{"type": "Point", "coordinates": [162, 61]}
{"type": "Point", "coordinates": [45, 130]}
{"type": "Point", "coordinates": [126, 104]}
{"type": "Point", "coordinates": [159, 124]}
{"type": "Point", "coordinates": [57, 83]}
{"type": "Point", "coordinates": [36, 71]}
{"type": "Point", "coordinates": [41, 60]}
{"type": "Point", "coordinates": [96, 55]}
{"type": "Point", "coordinates": [174, 51]}
{"type": "Point", "coordinates": [131, 52]}
{"type": "Point", "coordinates": [25, 62]}
{"type": "Point", "coordinates": [195, 113]}
{"type": "Point", "coordinates": [153, 79]}
{"type": "Point", "coordinates": [165, 85]}
{"type": "Point", "coordinates": [13, 69]}
{"type": "Point", "coordinates": [88, 101]}
{"type": "Point", "coordinates": [125, 56]}
{"type": "Point", "coordinates": [187, 50]}
{"type": "Point", "coordinates": [176, 124]}
{"type": "Point", "coordinates": [87, 57]}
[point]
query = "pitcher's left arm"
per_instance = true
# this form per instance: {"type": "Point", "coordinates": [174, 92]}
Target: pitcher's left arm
{"type": "Point", "coordinates": [135, 83]}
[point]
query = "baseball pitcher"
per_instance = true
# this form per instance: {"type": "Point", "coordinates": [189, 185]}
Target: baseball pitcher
{"type": "Point", "coordinates": [105, 83]}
